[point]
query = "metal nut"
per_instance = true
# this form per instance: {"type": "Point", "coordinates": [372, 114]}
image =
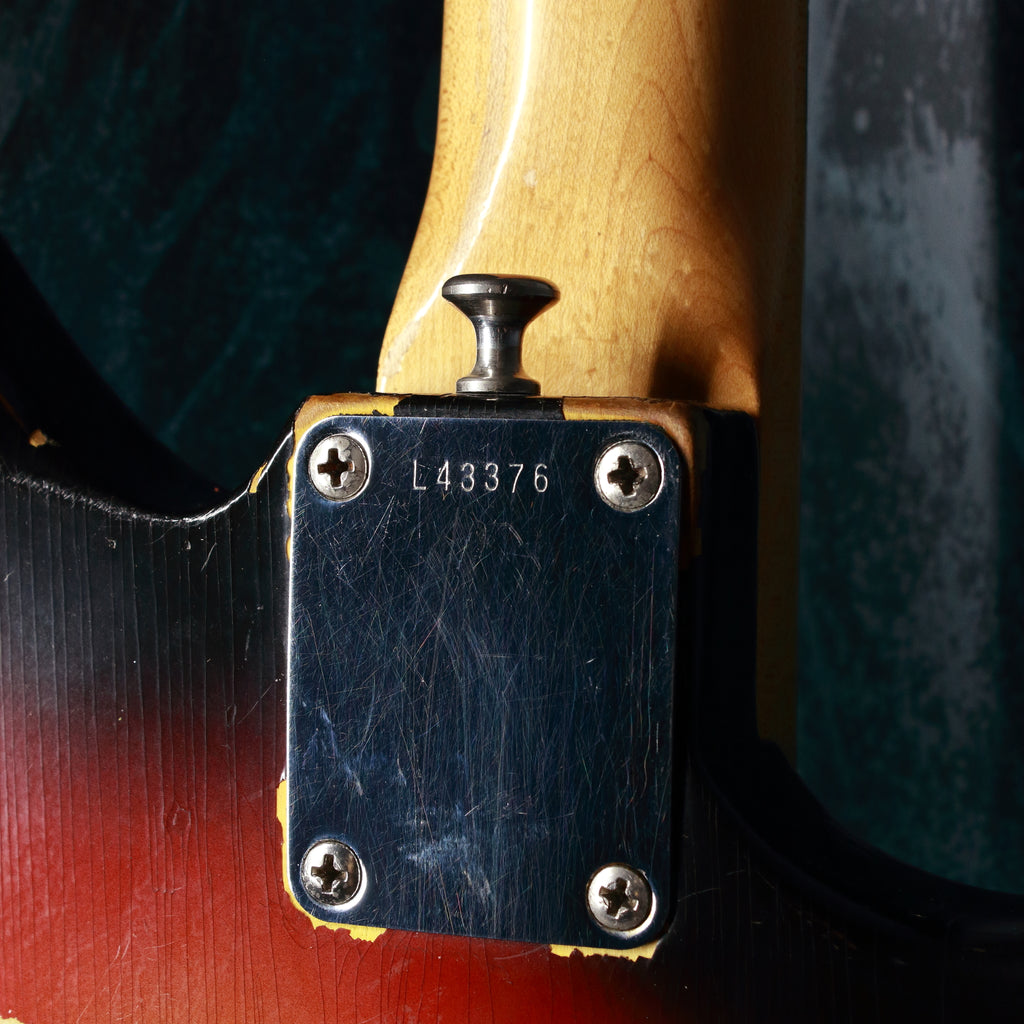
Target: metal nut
{"type": "Point", "coordinates": [331, 873]}
{"type": "Point", "coordinates": [620, 900]}
{"type": "Point", "coordinates": [499, 309]}
{"type": "Point", "coordinates": [628, 475]}
{"type": "Point", "coordinates": [339, 467]}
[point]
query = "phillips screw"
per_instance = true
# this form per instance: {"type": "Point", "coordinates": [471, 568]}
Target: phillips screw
{"type": "Point", "coordinates": [331, 872]}
{"type": "Point", "coordinates": [628, 475]}
{"type": "Point", "coordinates": [620, 900]}
{"type": "Point", "coordinates": [339, 467]}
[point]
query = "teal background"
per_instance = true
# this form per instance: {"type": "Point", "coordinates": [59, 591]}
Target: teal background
{"type": "Point", "coordinates": [911, 594]}
{"type": "Point", "coordinates": [218, 197]}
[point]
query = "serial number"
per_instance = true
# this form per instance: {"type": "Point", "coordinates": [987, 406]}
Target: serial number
{"type": "Point", "coordinates": [490, 476]}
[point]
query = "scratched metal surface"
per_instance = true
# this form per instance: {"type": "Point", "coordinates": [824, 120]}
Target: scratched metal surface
{"type": "Point", "coordinates": [481, 671]}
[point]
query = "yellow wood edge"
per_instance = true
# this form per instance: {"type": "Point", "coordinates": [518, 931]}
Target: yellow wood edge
{"type": "Point", "coordinates": [358, 931]}
{"type": "Point", "coordinates": [636, 953]}
{"type": "Point", "coordinates": [320, 407]}
{"type": "Point", "coordinates": [675, 418]}
{"type": "Point", "coordinates": [254, 483]}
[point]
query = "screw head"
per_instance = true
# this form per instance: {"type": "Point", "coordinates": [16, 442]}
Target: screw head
{"type": "Point", "coordinates": [620, 900]}
{"type": "Point", "coordinates": [331, 873]}
{"type": "Point", "coordinates": [339, 467]}
{"type": "Point", "coordinates": [628, 475]}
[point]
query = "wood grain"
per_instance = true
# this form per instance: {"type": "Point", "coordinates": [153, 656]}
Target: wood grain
{"type": "Point", "coordinates": [648, 160]}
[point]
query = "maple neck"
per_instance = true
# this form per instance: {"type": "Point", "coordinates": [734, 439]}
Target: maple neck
{"type": "Point", "coordinates": [648, 160]}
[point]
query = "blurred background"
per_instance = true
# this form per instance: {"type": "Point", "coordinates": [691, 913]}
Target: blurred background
{"type": "Point", "coordinates": [217, 199]}
{"type": "Point", "coordinates": [912, 606]}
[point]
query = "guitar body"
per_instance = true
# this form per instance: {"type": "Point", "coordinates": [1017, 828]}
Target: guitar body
{"type": "Point", "coordinates": [143, 746]}
{"type": "Point", "coordinates": [143, 655]}
{"type": "Point", "coordinates": [141, 878]}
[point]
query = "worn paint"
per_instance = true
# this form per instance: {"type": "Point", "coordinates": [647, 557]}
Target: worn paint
{"type": "Point", "coordinates": [360, 932]}
{"type": "Point", "coordinates": [257, 477]}
{"type": "Point", "coordinates": [320, 407]}
{"type": "Point", "coordinates": [637, 953]}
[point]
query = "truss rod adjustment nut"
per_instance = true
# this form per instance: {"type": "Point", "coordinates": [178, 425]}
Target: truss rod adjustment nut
{"type": "Point", "coordinates": [499, 309]}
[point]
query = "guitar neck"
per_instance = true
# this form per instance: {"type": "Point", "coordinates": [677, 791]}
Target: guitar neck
{"type": "Point", "coordinates": [648, 160]}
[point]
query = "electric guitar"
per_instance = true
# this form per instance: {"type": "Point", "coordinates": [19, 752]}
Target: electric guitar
{"type": "Point", "coordinates": [185, 681]}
